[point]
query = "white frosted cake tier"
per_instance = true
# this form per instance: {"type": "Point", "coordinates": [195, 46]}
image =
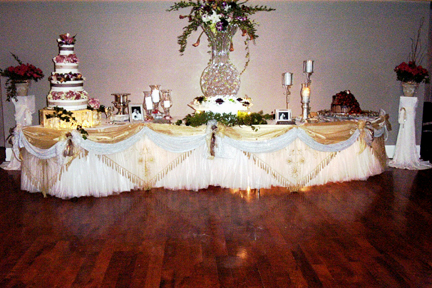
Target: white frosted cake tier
{"type": "Point", "coordinates": [69, 105]}
{"type": "Point", "coordinates": [221, 104]}
{"type": "Point", "coordinates": [66, 49]}
{"type": "Point", "coordinates": [68, 85]}
{"type": "Point", "coordinates": [66, 68]}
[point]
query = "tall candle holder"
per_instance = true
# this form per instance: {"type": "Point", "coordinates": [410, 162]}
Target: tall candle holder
{"type": "Point", "coordinates": [305, 100]}
{"type": "Point", "coordinates": [148, 105]}
{"type": "Point", "coordinates": [166, 103]}
{"type": "Point", "coordinates": [286, 84]}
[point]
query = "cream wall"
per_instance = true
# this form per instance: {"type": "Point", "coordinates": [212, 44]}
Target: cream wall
{"type": "Point", "coordinates": [126, 46]}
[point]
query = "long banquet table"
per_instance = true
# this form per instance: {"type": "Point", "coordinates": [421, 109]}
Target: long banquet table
{"type": "Point", "coordinates": [118, 158]}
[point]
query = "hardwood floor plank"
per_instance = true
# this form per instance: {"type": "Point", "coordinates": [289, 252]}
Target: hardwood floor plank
{"type": "Point", "coordinates": [372, 233]}
{"type": "Point", "coordinates": [306, 268]}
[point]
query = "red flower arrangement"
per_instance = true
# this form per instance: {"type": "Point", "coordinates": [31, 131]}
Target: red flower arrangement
{"type": "Point", "coordinates": [19, 73]}
{"type": "Point", "coordinates": [411, 73]}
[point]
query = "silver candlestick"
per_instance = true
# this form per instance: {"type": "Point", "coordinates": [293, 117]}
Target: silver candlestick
{"type": "Point", "coordinates": [287, 79]}
{"type": "Point", "coordinates": [287, 93]}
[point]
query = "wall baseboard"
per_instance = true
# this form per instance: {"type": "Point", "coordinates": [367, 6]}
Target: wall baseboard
{"type": "Point", "coordinates": [389, 151]}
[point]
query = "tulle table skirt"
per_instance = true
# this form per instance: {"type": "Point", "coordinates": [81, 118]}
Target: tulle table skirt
{"type": "Point", "coordinates": [142, 156]}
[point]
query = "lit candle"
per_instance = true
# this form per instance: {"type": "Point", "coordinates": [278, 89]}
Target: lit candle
{"type": "Point", "coordinates": [306, 92]}
{"type": "Point", "coordinates": [308, 66]}
{"type": "Point", "coordinates": [287, 78]}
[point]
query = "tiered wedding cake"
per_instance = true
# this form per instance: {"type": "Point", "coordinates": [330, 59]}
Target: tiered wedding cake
{"type": "Point", "coordinates": [66, 81]}
{"type": "Point", "coordinates": [67, 92]}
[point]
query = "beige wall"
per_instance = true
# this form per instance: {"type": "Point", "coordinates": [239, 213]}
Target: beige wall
{"type": "Point", "coordinates": [126, 46]}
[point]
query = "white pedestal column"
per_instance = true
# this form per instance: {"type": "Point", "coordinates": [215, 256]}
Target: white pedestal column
{"type": "Point", "coordinates": [406, 155]}
{"type": "Point", "coordinates": [24, 108]}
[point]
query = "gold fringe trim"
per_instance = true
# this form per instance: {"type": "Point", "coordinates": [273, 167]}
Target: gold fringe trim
{"type": "Point", "coordinates": [81, 154]}
{"type": "Point", "coordinates": [159, 176]}
{"type": "Point", "coordinates": [285, 182]}
{"type": "Point", "coordinates": [44, 184]}
{"type": "Point", "coordinates": [121, 170]}
{"type": "Point", "coordinates": [264, 166]}
{"type": "Point", "coordinates": [316, 171]}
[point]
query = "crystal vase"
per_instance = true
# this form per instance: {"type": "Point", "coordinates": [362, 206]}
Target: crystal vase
{"type": "Point", "coordinates": [220, 77]}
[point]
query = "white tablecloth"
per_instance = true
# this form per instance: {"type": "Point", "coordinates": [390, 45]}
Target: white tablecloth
{"type": "Point", "coordinates": [74, 167]}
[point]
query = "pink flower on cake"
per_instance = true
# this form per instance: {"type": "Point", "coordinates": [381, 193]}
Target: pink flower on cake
{"type": "Point", "coordinates": [56, 95]}
{"type": "Point", "coordinates": [94, 103]}
{"type": "Point", "coordinates": [70, 95]}
{"type": "Point", "coordinates": [71, 58]}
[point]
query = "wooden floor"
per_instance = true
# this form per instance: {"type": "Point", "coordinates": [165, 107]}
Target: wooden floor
{"type": "Point", "coordinates": [375, 233]}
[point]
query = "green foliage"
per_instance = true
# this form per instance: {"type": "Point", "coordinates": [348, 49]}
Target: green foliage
{"type": "Point", "coordinates": [229, 120]}
{"type": "Point", "coordinates": [230, 13]}
{"type": "Point", "coordinates": [67, 116]}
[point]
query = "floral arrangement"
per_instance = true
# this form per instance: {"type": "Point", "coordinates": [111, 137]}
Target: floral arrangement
{"type": "Point", "coordinates": [217, 15]}
{"type": "Point", "coordinates": [19, 73]}
{"type": "Point", "coordinates": [94, 104]}
{"type": "Point", "coordinates": [411, 71]}
{"type": "Point", "coordinates": [66, 39]}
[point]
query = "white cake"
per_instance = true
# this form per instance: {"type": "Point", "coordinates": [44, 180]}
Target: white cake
{"type": "Point", "coordinates": [221, 104]}
{"type": "Point", "coordinates": [67, 83]}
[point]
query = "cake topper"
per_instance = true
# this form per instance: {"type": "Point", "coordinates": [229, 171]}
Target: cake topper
{"type": "Point", "coordinates": [66, 39]}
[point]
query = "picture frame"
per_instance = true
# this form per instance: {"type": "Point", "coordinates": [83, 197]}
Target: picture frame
{"type": "Point", "coordinates": [283, 116]}
{"type": "Point", "coordinates": [136, 112]}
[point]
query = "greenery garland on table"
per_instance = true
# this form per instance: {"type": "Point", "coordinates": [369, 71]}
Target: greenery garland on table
{"type": "Point", "coordinates": [229, 120]}
{"type": "Point", "coordinates": [67, 116]}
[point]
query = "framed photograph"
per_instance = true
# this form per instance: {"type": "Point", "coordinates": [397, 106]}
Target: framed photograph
{"type": "Point", "coordinates": [136, 112]}
{"type": "Point", "coordinates": [283, 116]}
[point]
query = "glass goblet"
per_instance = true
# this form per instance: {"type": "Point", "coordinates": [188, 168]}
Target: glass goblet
{"type": "Point", "coordinates": [148, 105]}
{"type": "Point", "coordinates": [166, 103]}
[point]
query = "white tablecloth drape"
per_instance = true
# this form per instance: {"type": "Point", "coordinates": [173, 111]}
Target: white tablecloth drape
{"type": "Point", "coordinates": [74, 167]}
